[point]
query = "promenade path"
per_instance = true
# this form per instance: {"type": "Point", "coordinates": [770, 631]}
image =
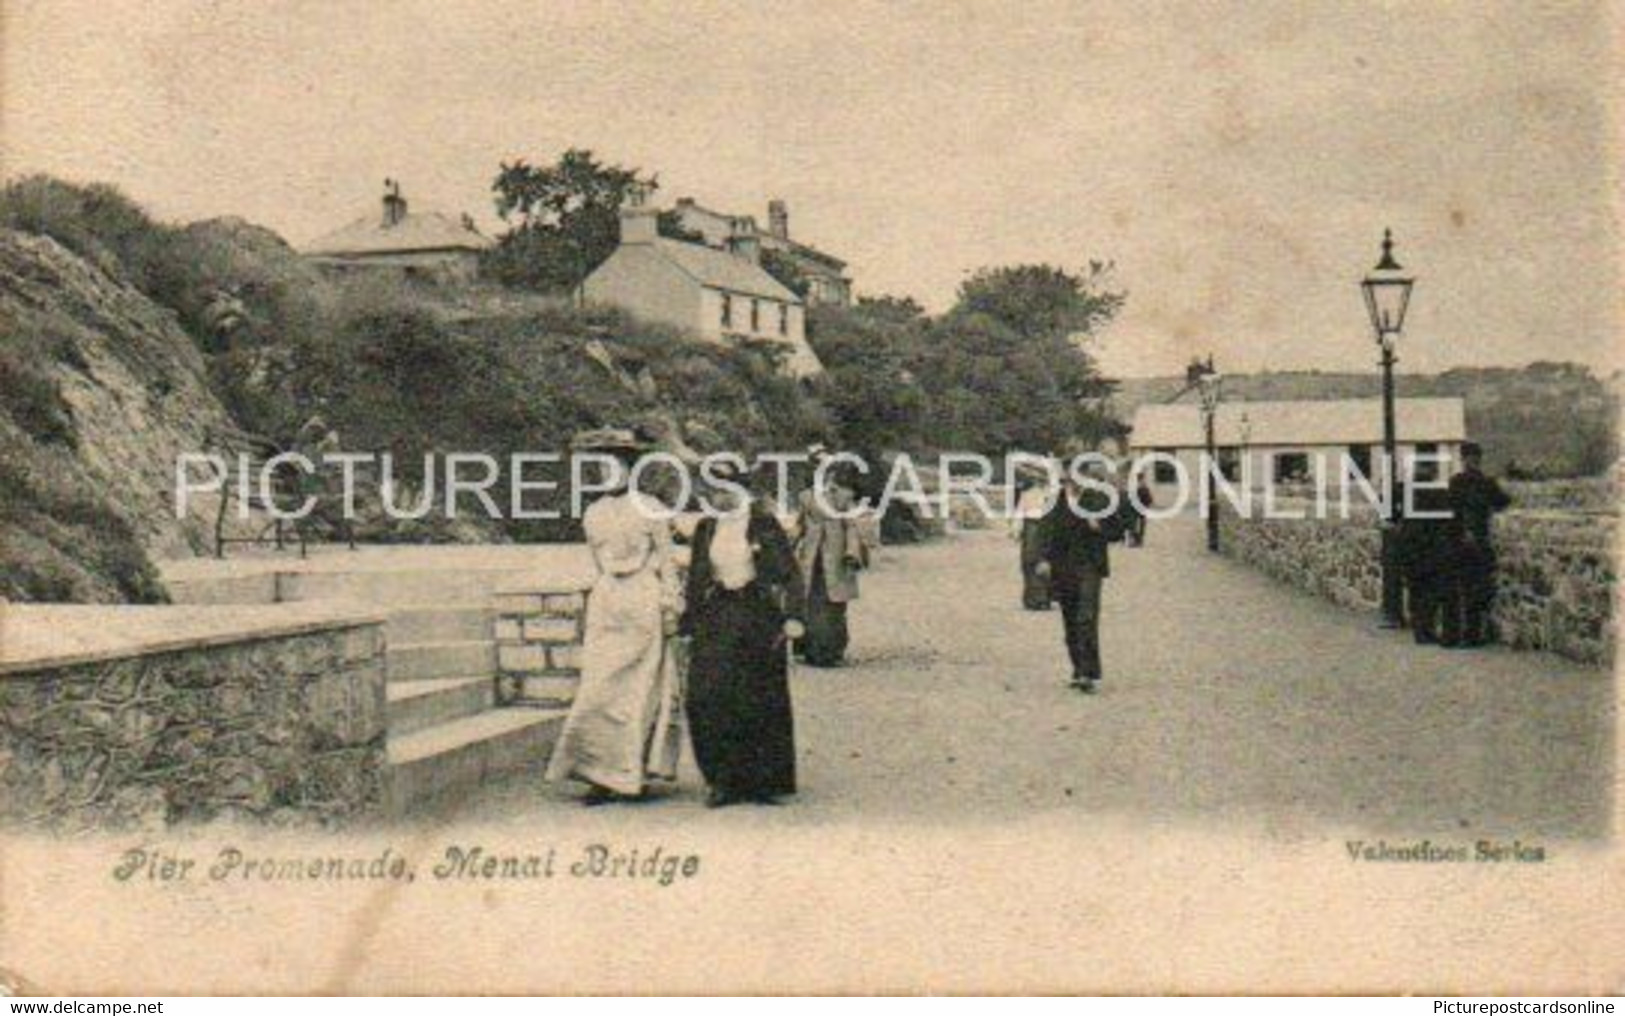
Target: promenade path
{"type": "Point", "coordinates": [967, 822]}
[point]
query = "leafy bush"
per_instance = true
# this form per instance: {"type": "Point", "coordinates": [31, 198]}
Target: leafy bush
{"type": "Point", "coordinates": [95, 221]}
{"type": "Point", "coordinates": [34, 399]}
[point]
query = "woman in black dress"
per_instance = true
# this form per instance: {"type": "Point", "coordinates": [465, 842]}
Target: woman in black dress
{"type": "Point", "coordinates": [744, 599]}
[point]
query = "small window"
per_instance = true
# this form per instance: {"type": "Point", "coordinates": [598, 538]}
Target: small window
{"type": "Point", "coordinates": [1360, 460]}
{"type": "Point", "coordinates": [784, 319]}
{"type": "Point", "coordinates": [727, 311]}
{"type": "Point", "coordinates": [1426, 460]}
{"type": "Point", "coordinates": [756, 315]}
{"type": "Point", "coordinates": [1164, 471]}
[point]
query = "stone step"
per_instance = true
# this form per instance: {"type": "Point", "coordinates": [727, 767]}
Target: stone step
{"type": "Point", "coordinates": [458, 756]}
{"type": "Point", "coordinates": [417, 624]}
{"type": "Point", "coordinates": [418, 705]}
{"type": "Point", "coordinates": [223, 589]}
{"type": "Point", "coordinates": [558, 689]}
{"type": "Point", "coordinates": [399, 587]}
{"type": "Point", "coordinates": [424, 660]}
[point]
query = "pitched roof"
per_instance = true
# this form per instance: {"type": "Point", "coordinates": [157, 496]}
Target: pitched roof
{"type": "Point", "coordinates": [722, 224]}
{"type": "Point", "coordinates": [721, 270]}
{"type": "Point", "coordinates": [418, 231]}
{"type": "Point", "coordinates": [1328, 422]}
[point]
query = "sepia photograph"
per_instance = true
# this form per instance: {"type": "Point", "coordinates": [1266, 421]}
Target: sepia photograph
{"type": "Point", "coordinates": [968, 497]}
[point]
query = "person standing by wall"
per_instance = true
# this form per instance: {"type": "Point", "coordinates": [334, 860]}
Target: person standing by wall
{"type": "Point", "coordinates": [1474, 498]}
{"type": "Point", "coordinates": [1034, 498]}
{"type": "Point", "coordinates": [830, 552]}
{"type": "Point", "coordinates": [1427, 540]}
{"type": "Point", "coordinates": [1142, 502]}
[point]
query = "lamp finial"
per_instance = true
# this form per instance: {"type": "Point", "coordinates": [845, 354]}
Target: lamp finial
{"type": "Point", "coordinates": [1388, 263]}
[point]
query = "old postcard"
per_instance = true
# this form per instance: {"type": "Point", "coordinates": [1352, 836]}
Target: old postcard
{"type": "Point", "coordinates": [998, 497]}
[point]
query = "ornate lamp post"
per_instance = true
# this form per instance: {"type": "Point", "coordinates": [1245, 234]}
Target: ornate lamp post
{"type": "Point", "coordinates": [1387, 296]}
{"type": "Point", "coordinates": [1244, 461]}
{"type": "Point", "coordinates": [1208, 382]}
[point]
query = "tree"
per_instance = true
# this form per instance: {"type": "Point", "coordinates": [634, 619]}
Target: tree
{"type": "Point", "coordinates": [565, 220]}
{"type": "Point", "coordinates": [869, 384]}
{"type": "Point", "coordinates": [896, 310]}
{"type": "Point", "coordinates": [786, 271]}
{"type": "Point", "coordinates": [1042, 300]}
{"type": "Point", "coordinates": [1006, 367]}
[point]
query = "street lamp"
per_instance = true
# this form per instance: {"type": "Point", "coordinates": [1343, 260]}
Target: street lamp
{"type": "Point", "coordinates": [1208, 382]}
{"type": "Point", "coordinates": [1244, 461]}
{"type": "Point", "coordinates": [1387, 296]}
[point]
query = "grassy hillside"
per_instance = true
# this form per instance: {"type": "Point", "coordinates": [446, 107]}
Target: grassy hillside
{"type": "Point", "coordinates": [123, 339]}
{"type": "Point", "coordinates": [99, 390]}
{"type": "Point", "coordinates": [1543, 420]}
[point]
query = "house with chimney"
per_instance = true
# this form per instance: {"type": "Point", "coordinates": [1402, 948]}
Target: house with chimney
{"type": "Point", "coordinates": [827, 281]}
{"type": "Point", "coordinates": [720, 293]}
{"type": "Point", "coordinates": [424, 244]}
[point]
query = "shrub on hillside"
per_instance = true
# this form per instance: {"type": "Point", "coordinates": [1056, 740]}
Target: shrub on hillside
{"type": "Point", "coordinates": [95, 221]}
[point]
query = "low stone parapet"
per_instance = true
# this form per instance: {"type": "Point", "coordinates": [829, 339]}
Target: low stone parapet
{"type": "Point", "coordinates": [538, 635]}
{"type": "Point", "coordinates": [1557, 587]}
{"type": "Point", "coordinates": [1556, 577]}
{"type": "Point", "coordinates": [141, 717]}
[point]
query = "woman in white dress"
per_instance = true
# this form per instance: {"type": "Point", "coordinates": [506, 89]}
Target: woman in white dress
{"type": "Point", "coordinates": [623, 733]}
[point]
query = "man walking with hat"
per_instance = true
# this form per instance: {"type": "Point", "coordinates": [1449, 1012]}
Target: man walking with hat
{"type": "Point", "coordinates": [1076, 533]}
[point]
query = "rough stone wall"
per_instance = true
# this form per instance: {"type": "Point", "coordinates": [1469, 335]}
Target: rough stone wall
{"type": "Point", "coordinates": [1595, 493]}
{"type": "Point", "coordinates": [287, 730]}
{"type": "Point", "coordinates": [1556, 581]}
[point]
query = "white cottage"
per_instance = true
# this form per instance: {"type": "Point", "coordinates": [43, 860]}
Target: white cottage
{"type": "Point", "coordinates": [1278, 439]}
{"type": "Point", "coordinates": [721, 295]}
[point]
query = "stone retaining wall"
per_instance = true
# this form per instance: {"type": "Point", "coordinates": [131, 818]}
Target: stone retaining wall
{"type": "Point", "coordinates": [1557, 576]}
{"type": "Point", "coordinates": [287, 729]}
{"type": "Point", "coordinates": [1594, 493]}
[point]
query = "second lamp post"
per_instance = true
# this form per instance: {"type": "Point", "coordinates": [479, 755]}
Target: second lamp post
{"type": "Point", "coordinates": [1209, 382]}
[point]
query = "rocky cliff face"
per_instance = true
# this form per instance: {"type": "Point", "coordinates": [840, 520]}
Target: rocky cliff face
{"type": "Point", "coordinates": [102, 390]}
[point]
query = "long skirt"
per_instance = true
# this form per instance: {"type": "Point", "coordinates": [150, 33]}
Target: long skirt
{"type": "Point", "coordinates": [739, 718]}
{"type": "Point", "coordinates": [825, 642]}
{"type": "Point", "coordinates": [622, 731]}
{"type": "Point", "coordinates": [1035, 592]}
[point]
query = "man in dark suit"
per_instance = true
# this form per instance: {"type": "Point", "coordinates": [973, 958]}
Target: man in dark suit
{"type": "Point", "coordinates": [1475, 498]}
{"type": "Point", "coordinates": [1428, 537]}
{"type": "Point", "coordinates": [1075, 535]}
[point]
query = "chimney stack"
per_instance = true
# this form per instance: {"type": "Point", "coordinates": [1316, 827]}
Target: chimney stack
{"type": "Point", "coordinates": [639, 220]}
{"type": "Point", "coordinates": [778, 219]}
{"type": "Point", "coordinates": [394, 204]}
{"type": "Point", "coordinates": [743, 239]}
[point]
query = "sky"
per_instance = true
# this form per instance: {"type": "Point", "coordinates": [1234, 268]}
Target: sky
{"type": "Point", "coordinates": [1236, 162]}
